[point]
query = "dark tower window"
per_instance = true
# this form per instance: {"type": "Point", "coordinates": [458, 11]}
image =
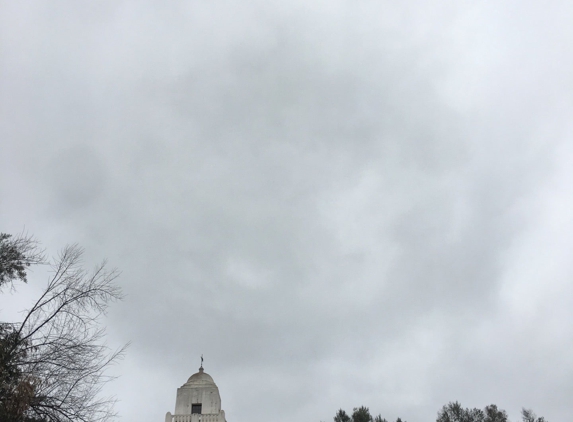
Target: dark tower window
{"type": "Point", "coordinates": [196, 408]}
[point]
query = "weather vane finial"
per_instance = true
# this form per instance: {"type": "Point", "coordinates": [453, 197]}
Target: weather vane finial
{"type": "Point", "coordinates": [201, 362]}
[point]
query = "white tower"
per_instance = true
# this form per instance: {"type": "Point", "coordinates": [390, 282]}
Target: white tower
{"type": "Point", "coordinates": [198, 400]}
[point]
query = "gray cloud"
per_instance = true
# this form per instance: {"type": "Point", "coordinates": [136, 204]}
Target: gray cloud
{"type": "Point", "coordinates": [338, 204]}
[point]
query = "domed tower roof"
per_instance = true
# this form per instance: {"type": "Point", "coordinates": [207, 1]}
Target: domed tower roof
{"type": "Point", "coordinates": [200, 378]}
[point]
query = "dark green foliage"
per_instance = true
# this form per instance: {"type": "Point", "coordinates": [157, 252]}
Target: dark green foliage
{"type": "Point", "coordinates": [528, 416]}
{"type": "Point", "coordinates": [10, 372]}
{"type": "Point", "coordinates": [16, 255]}
{"type": "Point", "coordinates": [17, 389]}
{"type": "Point", "coordinates": [341, 416]}
{"type": "Point", "coordinates": [361, 414]}
{"type": "Point", "coordinates": [454, 412]}
{"type": "Point", "coordinates": [493, 414]}
{"type": "Point", "coordinates": [451, 412]}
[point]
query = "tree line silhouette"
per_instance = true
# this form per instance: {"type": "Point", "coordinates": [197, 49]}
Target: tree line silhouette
{"type": "Point", "coordinates": [451, 412]}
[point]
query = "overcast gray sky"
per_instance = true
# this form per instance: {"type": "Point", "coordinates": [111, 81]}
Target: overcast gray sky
{"type": "Point", "coordinates": [339, 203]}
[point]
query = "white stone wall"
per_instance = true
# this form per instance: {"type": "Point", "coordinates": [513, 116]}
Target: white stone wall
{"type": "Point", "coordinates": [208, 396]}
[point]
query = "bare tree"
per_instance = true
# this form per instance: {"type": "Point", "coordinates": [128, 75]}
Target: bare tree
{"type": "Point", "coordinates": [58, 348]}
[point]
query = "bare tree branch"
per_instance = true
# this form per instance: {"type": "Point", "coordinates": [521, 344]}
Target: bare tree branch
{"type": "Point", "coordinates": [58, 348]}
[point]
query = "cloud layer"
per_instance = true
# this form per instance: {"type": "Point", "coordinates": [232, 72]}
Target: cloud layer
{"type": "Point", "coordinates": [337, 203]}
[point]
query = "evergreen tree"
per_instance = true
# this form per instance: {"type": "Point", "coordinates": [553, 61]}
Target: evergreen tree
{"type": "Point", "coordinates": [341, 416]}
{"type": "Point", "coordinates": [528, 416]}
{"type": "Point", "coordinates": [361, 414]}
